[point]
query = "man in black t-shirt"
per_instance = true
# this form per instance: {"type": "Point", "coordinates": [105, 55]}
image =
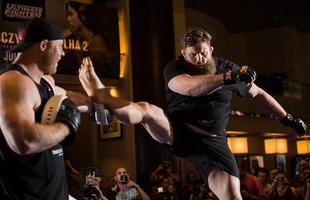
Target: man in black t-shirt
{"type": "Point", "coordinates": [199, 89]}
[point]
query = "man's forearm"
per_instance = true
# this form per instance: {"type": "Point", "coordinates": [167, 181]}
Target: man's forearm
{"type": "Point", "coordinates": [198, 85]}
{"type": "Point", "coordinates": [270, 104]}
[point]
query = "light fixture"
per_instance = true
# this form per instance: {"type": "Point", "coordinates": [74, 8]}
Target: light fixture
{"type": "Point", "coordinates": [114, 92]}
{"type": "Point", "coordinates": [238, 144]}
{"type": "Point", "coordinates": [303, 146]}
{"type": "Point", "coordinates": [275, 145]}
{"type": "Point", "coordinates": [236, 132]}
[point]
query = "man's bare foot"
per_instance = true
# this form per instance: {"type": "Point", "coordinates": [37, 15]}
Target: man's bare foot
{"type": "Point", "coordinates": [88, 77]}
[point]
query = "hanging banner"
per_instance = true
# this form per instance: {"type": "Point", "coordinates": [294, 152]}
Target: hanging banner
{"type": "Point", "coordinates": [17, 10]}
{"type": "Point", "coordinates": [93, 32]}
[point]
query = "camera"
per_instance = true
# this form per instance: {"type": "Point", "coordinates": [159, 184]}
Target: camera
{"type": "Point", "coordinates": [160, 189]}
{"type": "Point", "coordinates": [123, 179]}
{"type": "Point", "coordinates": [89, 191]}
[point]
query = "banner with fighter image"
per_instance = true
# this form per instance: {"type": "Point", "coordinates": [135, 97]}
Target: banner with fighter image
{"type": "Point", "coordinates": [17, 10]}
{"type": "Point", "coordinates": [13, 12]}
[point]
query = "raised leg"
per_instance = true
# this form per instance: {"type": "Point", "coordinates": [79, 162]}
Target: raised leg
{"type": "Point", "coordinates": [151, 117]}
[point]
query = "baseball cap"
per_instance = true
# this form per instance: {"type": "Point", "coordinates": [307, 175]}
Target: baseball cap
{"type": "Point", "coordinates": [35, 30]}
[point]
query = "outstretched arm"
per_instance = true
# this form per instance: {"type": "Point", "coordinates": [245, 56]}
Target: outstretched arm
{"type": "Point", "coordinates": [151, 117]}
{"type": "Point", "coordinates": [264, 99]}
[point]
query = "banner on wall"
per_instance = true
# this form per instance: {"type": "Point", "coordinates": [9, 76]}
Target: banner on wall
{"type": "Point", "coordinates": [17, 10]}
{"type": "Point", "coordinates": [93, 32]}
{"type": "Point", "coordinates": [7, 40]}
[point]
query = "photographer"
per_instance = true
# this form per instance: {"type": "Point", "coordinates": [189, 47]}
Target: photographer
{"type": "Point", "coordinates": [164, 170]}
{"type": "Point", "coordinates": [91, 190]}
{"type": "Point", "coordinates": [281, 188]}
{"type": "Point", "coordinates": [126, 189]}
{"type": "Point", "coordinates": [303, 192]}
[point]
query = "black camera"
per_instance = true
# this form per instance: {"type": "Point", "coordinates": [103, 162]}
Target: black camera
{"type": "Point", "coordinates": [89, 191]}
{"type": "Point", "coordinates": [123, 179]}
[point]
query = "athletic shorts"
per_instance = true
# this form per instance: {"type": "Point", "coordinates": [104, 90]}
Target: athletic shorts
{"type": "Point", "coordinates": [204, 152]}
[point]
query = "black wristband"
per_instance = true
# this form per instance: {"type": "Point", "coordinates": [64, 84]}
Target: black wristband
{"type": "Point", "coordinates": [287, 120]}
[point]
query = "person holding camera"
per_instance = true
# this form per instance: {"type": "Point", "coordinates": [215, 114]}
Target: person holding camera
{"type": "Point", "coordinates": [166, 190]}
{"type": "Point", "coordinates": [126, 189]}
{"type": "Point", "coordinates": [91, 190]}
{"type": "Point", "coordinates": [164, 169]}
{"type": "Point", "coordinates": [281, 188]}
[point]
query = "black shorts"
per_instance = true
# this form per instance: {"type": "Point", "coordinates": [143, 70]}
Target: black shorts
{"type": "Point", "coordinates": [204, 152]}
{"type": "Point", "coordinates": [217, 154]}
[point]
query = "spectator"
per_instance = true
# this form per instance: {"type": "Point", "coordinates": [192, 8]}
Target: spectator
{"type": "Point", "coordinates": [303, 192]}
{"type": "Point", "coordinates": [263, 179]}
{"type": "Point", "coordinates": [167, 190]}
{"type": "Point", "coordinates": [273, 173]}
{"type": "Point", "coordinates": [126, 189]}
{"type": "Point", "coordinates": [92, 190]}
{"type": "Point", "coordinates": [302, 164]}
{"type": "Point", "coordinates": [192, 187]}
{"type": "Point", "coordinates": [250, 188]}
{"type": "Point", "coordinates": [281, 188]}
{"type": "Point", "coordinates": [164, 170]}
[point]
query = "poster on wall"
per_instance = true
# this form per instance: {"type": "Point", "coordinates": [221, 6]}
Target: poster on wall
{"type": "Point", "coordinates": [12, 13]}
{"type": "Point", "coordinates": [8, 39]}
{"type": "Point", "coordinates": [17, 10]}
{"type": "Point", "coordinates": [93, 32]}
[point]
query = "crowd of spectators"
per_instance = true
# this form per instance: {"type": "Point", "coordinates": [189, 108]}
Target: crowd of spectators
{"type": "Point", "coordinates": [166, 184]}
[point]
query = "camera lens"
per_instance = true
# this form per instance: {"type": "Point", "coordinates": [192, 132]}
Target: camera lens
{"type": "Point", "coordinates": [89, 191]}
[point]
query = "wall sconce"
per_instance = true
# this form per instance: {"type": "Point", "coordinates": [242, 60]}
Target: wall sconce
{"type": "Point", "coordinates": [275, 145]}
{"type": "Point", "coordinates": [303, 146]}
{"type": "Point", "coordinates": [238, 144]}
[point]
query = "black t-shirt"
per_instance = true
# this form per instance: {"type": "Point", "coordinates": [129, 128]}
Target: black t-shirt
{"type": "Point", "coordinates": [36, 176]}
{"type": "Point", "coordinates": [209, 112]}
